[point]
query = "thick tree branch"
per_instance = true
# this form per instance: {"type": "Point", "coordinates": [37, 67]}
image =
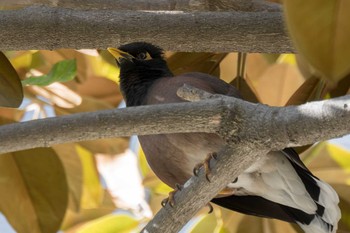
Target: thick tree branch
{"type": "Point", "coordinates": [173, 30]}
{"type": "Point", "coordinates": [154, 5]}
{"type": "Point", "coordinates": [169, 118]}
{"type": "Point", "coordinates": [234, 119]}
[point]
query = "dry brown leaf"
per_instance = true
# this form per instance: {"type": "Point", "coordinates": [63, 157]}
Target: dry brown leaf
{"type": "Point", "coordinates": [110, 146]}
{"type": "Point", "coordinates": [34, 190]}
{"type": "Point", "coordinates": [342, 87]}
{"type": "Point", "coordinates": [100, 88]}
{"type": "Point", "coordinates": [73, 169]}
{"type": "Point", "coordinates": [73, 220]}
{"type": "Point", "coordinates": [182, 62]}
{"type": "Point", "coordinates": [11, 91]}
{"type": "Point", "coordinates": [276, 85]}
{"type": "Point", "coordinates": [256, 65]}
{"type": "Point", "coordinates": [11, 113]}
{"type": "Point", "coordinates": [245, 90]}
{"type": "Point", "coordinates": [312, 89]}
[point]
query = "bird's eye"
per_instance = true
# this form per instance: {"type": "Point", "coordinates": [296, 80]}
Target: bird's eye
{"type": "Point", "coordinates": [144, 56]}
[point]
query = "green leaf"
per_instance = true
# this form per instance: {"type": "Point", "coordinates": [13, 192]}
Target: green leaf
{"type": "Point", "coordinates": [110, 224]}
{"type": "Point", "coordinates": [320, 31]}
{"type": "Point", "coordinates": [62, 71]}
{"type": "Point", "coordinates": [33, 190]}
{"type": "Point", "coordinates": [11, 92]}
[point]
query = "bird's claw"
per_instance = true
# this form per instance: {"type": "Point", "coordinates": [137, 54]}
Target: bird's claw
{"type": "Point", "coordinates": [210, 208]}
{"type": "Point", "coordinates": [206, 165]}
{"type": "Point", "coordinates": [171, 198]}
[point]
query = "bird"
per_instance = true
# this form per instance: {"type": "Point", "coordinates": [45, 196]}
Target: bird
{"type": "Point", "coordinates": [277, 186]}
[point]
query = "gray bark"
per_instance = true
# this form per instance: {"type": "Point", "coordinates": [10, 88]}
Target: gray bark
{"type": "Point", "coordinates": [154, 5]}
{"type": "Point", "coordinates": [44, 27]}
{"type": "Point", "coordinates": [234, 119]}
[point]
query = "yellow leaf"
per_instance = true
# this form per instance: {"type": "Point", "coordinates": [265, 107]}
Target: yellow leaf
{"type": "Point", "coordinates": [207, 223]}
{"type": "Point", "coordinates": [340, 155]}
{"type": "Point", "coordinates": [321, 30]}
{"type": "Point", "coordinates": [250, 224]}
{"type": "Point", "coordinates": [120, 223]}
{"type": "Point", "coordinates": [287, 58]}
{"type": "Point", "coordinates": [92, 189]}
{"type": "Point", "coordinates": [73, 168]}
{"type": "Point", "coordinates": [245, 89]}
{"type": "Point", "coordinates": [183, 62]}
{"type": "Point", "coordinates": [11, 92]}
{"type": "Point", "coordinates": [144, 167]}
{"type": "Point", "coordinates": [21, 59]}
{"type": "Point", "coordinates": [73, 219]}
{"type": "Point", "coordinates": [277, 84]}
{"type": "Point", "coordinates": [33, 190]}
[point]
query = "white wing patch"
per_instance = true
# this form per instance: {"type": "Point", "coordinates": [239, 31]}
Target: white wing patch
{"type": "Point", "coordinates": [274, 178]}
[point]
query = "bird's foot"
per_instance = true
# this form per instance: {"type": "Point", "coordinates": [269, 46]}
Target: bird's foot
{"type": "Point", "coordinates": [210, 208]}
{"type": "Point", "coordinates": [206, 165]}
{"type": "Point", "coordinates": [171, 198]}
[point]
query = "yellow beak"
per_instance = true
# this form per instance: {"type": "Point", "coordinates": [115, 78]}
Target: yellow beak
{"type": "Point", "coordinates": [118, 54]}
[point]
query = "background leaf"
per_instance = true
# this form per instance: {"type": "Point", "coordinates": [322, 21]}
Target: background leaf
{"type": "Point", "coordinates": [321, 31]}
{"type": "Point", "coordinates": [33, 190]}
{"type": "Point", "coordinates": [11, 93]}
{"type": "Point", "coordinates": [62, 71]}
{"type": "Point", "coordinates": [311, 89]}
{"type": "Point", "coordinates": [110, 224]}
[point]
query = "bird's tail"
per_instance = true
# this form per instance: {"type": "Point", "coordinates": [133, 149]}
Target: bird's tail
{"type": "Point", "coordinates": [326, 221]}
{"type": "Point", "coordinates": [326, 218]}
{"type": "Point", "coordinates": [304, 199]}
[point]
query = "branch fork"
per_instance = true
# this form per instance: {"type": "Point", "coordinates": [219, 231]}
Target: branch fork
{"type": "Point", "coordinates": [250, 130]}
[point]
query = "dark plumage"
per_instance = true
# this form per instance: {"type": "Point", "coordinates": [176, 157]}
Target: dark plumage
{"type": "Point", "coordinates": [277, 186]}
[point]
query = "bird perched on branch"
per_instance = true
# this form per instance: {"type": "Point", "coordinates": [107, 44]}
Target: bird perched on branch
{"type": "Point", "coordinates": [277, 186]}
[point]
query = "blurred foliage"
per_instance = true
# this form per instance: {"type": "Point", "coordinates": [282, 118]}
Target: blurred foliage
{"type": "Point", "coordinates": [322, 39]}
{"type": "Point", "coordinates": [62, 71]}
{"type": "Point", "coordinates": [102, 185]}
{"type": "Point", "coordinates": [11, 93]}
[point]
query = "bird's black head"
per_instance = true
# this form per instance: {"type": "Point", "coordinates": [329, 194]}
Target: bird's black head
{"type": "Point", "coordinates": [140, 65]}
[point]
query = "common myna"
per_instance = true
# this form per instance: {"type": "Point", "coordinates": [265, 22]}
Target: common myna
{"type": "Point", "coordinates": [278, 186]}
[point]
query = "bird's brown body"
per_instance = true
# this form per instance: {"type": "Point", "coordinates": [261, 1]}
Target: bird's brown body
{"type": "Point", "coordinates": [183, 150]}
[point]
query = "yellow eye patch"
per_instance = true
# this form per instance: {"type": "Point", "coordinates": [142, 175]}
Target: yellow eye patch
{"type": "Point", "coordinates": [144, 56]}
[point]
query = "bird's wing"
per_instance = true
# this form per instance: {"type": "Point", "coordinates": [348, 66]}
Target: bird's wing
{"type": "Point", "coordinates": [164, 90]}
{"type": "Point", "coordinates": [258, 206]}
{"type": "Point", "coordinates": [279, 182]}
